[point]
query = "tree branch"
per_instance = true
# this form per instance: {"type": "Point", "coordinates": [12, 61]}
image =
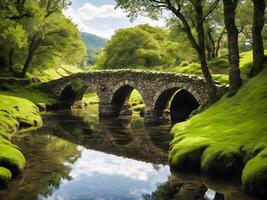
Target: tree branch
{"type": "Point", "coordinates": [211, 9]}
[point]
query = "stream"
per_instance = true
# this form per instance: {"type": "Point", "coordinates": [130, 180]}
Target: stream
{"type": "Point", "coordinates": [76, 156]}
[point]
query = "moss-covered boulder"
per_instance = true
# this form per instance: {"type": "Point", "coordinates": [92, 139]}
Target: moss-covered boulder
{"type": "Point", "coordinates": [11, 158]}
{"type": "Point", "coordinates": [219, 159]}
{"type": "Point", "coordinates": [16, 112]}
{"type": "Point", "coordinates": [254, 176]}
{"type": "Point", "coordinates": [5, 176]}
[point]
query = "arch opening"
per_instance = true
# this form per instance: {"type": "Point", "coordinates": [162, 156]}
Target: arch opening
{"type": "Point", "coordinates": [127, 101]}
{"type": "Point", "coordinates": [182, 105]}
{"type": "Point", "coordinates": [175, 104]}
{"type": "Point", "coordinates": [88, 101]}
{"type": "Point", "coordinates": [73, 92]}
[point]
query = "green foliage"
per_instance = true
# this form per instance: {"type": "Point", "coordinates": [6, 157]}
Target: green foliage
{"type": "Point", "coordinates": [136, 97]}
{"type": "Point", "coordinates": [142, 46]}
{"type": "Point", "coordinates": [226, 136]}
{"type": "Point", "coordinates": [36, 34]}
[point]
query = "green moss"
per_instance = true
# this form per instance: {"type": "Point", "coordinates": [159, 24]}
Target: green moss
{"type": "Point", "coordinates": [136, 97]}
{"type": "Point", "coordinates": [186, 154]}
{"type": "Point", "coordinates": [14, 113]}
{"type": "Point", "coordinates": [138, 107]}
{"type": "Point", "coordinates": [254, 176]}
{"type": "Point", "coordinates": [90, 97]}
{"type": "Point", "coordinates": [5, 176]}
{"type": "Point", "coordinates": [219, 159]}
{"type": "Point", "coordinates": [17, 109]}
{"type": "Point", "coordinates": [4, 135]}
{"type": "Point", "coordinates": [232, 131]}
{"type": "Point", "coordinates": [11, 158]}
{"type": "Point", "coordinates": [33, 95]}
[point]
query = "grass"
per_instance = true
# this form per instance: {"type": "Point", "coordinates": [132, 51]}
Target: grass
{"type": "Point", "coordinates": [55, 73]}
{"type": "Point", "coordinates": [218, 67]}
{"type": "Point", "coordinates": [90, 97]}
{"type": "Point", "coordinates": [33, 95]}
{"type": "Point", "coordinates": [227, 137]}
{"type": "Point", "coordinates": [15, 113]}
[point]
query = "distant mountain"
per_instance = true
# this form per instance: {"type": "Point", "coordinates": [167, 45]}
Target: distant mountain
{"type": "Point", "coordinates": [93, 42]}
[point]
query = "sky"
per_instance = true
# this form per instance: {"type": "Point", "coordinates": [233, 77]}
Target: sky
{"type": "Point", "coordinates": [100, 17]}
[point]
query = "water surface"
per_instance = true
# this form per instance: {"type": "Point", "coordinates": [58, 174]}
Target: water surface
{"type": "Point", "coordinates": [76, 156]}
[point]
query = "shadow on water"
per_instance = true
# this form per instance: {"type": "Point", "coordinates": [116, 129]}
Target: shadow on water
{"type": "Point", "coordinates": [77, 156]}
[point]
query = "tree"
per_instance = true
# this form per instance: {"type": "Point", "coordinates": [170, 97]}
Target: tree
{"type": "Point", "coordinates": [56, 38]}
{"type": "Point", "coordinates": [13, 37]}
{"type": "Point", "coordinates": [258, 48]}
{"type": "Point", "coordinates": [182, 9]}
{"type": "Point", "coordinates": [141, 46]}
{"type": "Point", "coordinates": [215, 33]}
{"type": "Point", "coordinates": [44, 26]}
{"type": "Point", "coordinates": [36, 33]}
{"type": "Point", "coordinates": [235, 80]}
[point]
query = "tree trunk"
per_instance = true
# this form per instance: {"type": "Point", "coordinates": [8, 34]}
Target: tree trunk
{"type": "Point", "coordinates": [202, 53]}
{"type": "Point", "coordinates": [199, 47]}
{"type": "Point", "coordinates": [218, 47]}
{"type": "Point", "coordinates": [235, 80]}
{"type": "Point", "coordinates": [33, 46]}
{"type": "Point", "coordinates": [258, 49]}
{"type": "Point", "coordinates": [10, 60]}
{"type": "Point", "coordinates": [27, 63]}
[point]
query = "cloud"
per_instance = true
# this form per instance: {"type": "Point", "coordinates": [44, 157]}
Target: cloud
{"type": "Point", "coordinates": [104, 20]}
{"type": "Point", "coordinates": [93, 162]}
{"type": "Point", "coordinates": [88, 12]}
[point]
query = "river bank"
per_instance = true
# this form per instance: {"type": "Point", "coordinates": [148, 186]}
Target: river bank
{"type": "Point", "coordinates": [228, 138]}
{"type": "Point", "coordinates": [16, 114]}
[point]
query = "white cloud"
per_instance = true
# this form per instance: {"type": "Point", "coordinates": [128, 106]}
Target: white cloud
{"type": "Point", "coordinates": [93, 162]}
{"type": "Point", "coordinates": [88, 12]}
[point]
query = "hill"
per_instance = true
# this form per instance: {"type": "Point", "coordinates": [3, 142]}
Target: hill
{"type": "Point", "coordinates": [93, 42]}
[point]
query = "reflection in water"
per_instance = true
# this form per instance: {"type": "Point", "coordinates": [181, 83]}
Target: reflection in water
{"type": "Point", "coordinates": [96, 175]}
{"type": "Point", "coordinates": [77, 156]}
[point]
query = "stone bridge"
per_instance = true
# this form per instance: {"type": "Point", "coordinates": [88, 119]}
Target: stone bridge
{"type": "Point", "coordinates": [114, 87]}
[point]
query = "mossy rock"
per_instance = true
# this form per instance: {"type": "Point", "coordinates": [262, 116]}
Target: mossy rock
{"type": "Point", "coordinates": [5, 176]}
{"type": "Point", "coordinates": [187, 153]}
{"type": "Point", "coordinates": [5, 135]}
{"type": "Point", "coordinates": [8, 124]}
{"type": "Point", "coordinates": [16, 111]}
{"type": "Point", "coordinates": [254, 176]}
{"type": "Point", "coordinates": [220, 160]}
{"type": "Point", "coordinates": [41, 106]}
{"type": "Point", "coordinates": [11, 158]}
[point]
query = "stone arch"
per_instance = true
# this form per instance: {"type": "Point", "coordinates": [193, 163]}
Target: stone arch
{"type": "Point", "coordinates": [120, 95]}
{"type": "Point", "coordinates": [181, 103]}
{"type": "Point", "coordinates": [72, 92]}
